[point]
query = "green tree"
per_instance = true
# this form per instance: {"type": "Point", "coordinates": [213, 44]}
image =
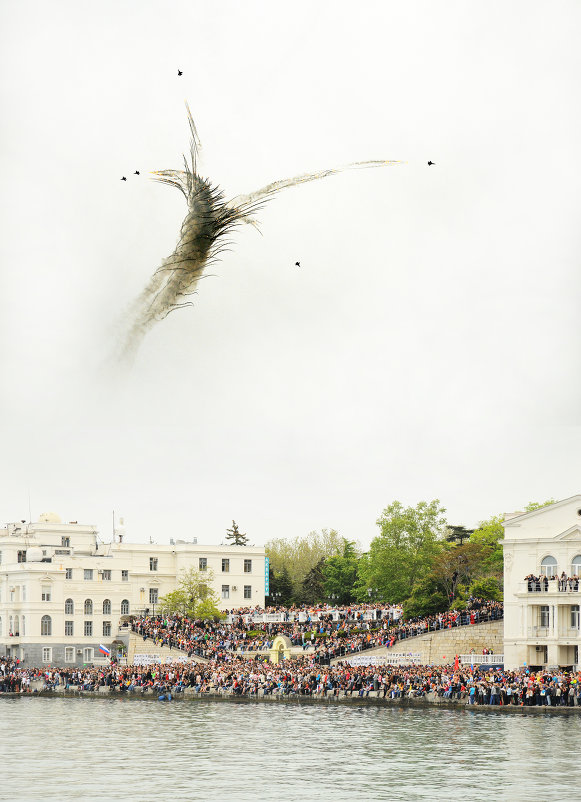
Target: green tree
{"type": "Point", "coordinates": [301, 554]}
{"type": "Point", "coordinates": [194, 595]}
{"type": "Point", "coordinates": [312, 590]}
{"type": "Point", "coordinates": [488, 588]}
{"type": "Point", "coordinates": [340, 574]}
{"type": "Point", "coordinates": [455, 566]}
{"type": "Point", "coordinates": [489, 535]}
{"type": "Point", "coordinates": [402, 553]}
{"type": "Point", "coordinates": [535, 505]}
{"type": "Point", "coordinates": [285, 587]}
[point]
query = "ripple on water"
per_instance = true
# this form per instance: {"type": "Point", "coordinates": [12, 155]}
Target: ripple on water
{"type": "Point", "coordinates": [113, 749]}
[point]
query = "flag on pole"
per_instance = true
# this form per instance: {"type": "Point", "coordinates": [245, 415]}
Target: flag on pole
{"type": "Point", "coordinates": [104, 650]}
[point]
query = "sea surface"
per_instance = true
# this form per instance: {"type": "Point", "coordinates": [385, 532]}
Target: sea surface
{"type": "Point", "coordinates": [117, 749]}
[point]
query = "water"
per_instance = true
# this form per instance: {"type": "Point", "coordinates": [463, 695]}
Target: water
{"type": "Point", "coordinates": [110, 749]}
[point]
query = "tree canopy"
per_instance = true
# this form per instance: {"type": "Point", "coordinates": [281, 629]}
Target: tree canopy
{"type": "Point", "coordinates": [193, 596]}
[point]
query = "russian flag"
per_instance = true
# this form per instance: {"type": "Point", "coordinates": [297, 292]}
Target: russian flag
{"type": "Point", "coordinates": [104, 650]}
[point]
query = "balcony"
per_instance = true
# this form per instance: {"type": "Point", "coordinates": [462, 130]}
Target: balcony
{"type": "Point", "coordinates": [553, 587]}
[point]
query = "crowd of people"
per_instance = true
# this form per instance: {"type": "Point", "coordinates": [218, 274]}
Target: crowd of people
{"type": "Point", "coordinates": [303, 677]}
{"type": "Point", "coordinates": [329, 632]}
{"type": "Point", "coordinates": [539, 584]}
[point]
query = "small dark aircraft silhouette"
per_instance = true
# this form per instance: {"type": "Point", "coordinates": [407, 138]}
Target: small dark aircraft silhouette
{"type": "Point", "coordinates": [124, 179]}
{"type": "Point", "coordinates": [180, 72]}
{"type": "Point", "coordinates": [430, 163]}
{"type": "Point", "coordinates": [136, 172]}
{"type": "Point", "coordinates": [298, 264]}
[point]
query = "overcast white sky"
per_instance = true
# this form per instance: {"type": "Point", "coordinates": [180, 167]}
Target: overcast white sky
{"type": "Point", "coordinates": [429, 345]}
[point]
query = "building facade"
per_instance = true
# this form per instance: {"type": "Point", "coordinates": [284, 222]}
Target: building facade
{"type": "Point", "coordinates": [542, 590]}
{"type": "Point", "coordinates": [63, 591]}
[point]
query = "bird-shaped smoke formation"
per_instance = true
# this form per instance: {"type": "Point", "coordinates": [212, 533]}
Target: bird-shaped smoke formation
{"type": "Point", "coordinates": [209, 220]}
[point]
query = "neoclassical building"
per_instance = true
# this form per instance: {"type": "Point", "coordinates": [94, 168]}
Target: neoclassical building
{"type": "Point", "coordinates": [63, 591]}
{"type": "Point", "coordinates": [542, 625]}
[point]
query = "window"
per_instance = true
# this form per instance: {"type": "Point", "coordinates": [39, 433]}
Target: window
{"type": "Point", "coordinates": [153, 593]}
{"type": "Point", "coordinates": [88, 574]}
{"type": "Point", "coordinates": [69, 654]}
{"type": "Point", "coordinates": [88, 607]}
{"type": "Point", "coordinates": [46, 625]}
{"type": "Point", "coordinates": [153, 563]}
{"type": "Point", "coordinates": [225, 565]}
{"type": "Point", "coordinates": [575, 616]}
{"type": "Point", "coordinates": [107, 607]}
{"type": "Point", "coordinates": [125, 607]}
{"type": "Point", "coordinates": [69, 628]}
{"type": "Point", "coordinates": [66, 542]}
{"type": "Point", "coordinates": [88, 655]}
{"type": "Point", "coordinates": [106, 628]}
{"type": "Point", "coordinates": [247, 566]}
{"type": "Point", "coordinates": [45, 592]}
{"type": "Point", "coordinates": [203, 564]}
{"type": "Point", "coordinates": [544, 615]}
{"type": "Point", "coordinates": [23, 626]}
{"type": "Point", "coordinates": [11, 626]}
{"type": "Point", "coordinates": [125, 576]}
{"type": "Point", "coordinates": [46, 654]}
{"type": "Point", "coordinates": [68, 573]}
{"type": "Point", "coordinates": [16, 626]}
{"type": "Point", "coordinates": [225, 591]}
{"type": "Point", "coordinates": [12, 594]}
{"type": "Point", "coordinates": [549, 567]}
{"type": "Point", "coordinates": [21, 557]}
{"type": "Point", "coordinates": [69, 607]}
{"type": "Point", "coordinates": [24, 593]}
{"type": "Point", "coordinates": [247, 591]}
{"type": "Point", "coordinates": [88, 628]}
{"type": "Point", "coordinates": [106, 575]}
{"type": "Point", "coordinates": [576, 566]}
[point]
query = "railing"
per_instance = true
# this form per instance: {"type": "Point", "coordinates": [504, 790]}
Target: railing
{"type": "Point", "coordinates": [551, 585]}
{"type": "Point", "coordinates": [481, 659]}
{"type": "Point", "coordinates": [302, 616]}
{"type": "Point", "coordinates": [463, 619]}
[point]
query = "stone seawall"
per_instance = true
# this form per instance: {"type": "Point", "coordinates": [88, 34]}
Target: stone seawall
{"type": "Point", "coordinates": [374, 699]}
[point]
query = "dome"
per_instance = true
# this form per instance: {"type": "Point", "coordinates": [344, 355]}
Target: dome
{"type": "Point", "coordinates": [49, 518]}
{"type": "Point", "coordinates": [34, 555]}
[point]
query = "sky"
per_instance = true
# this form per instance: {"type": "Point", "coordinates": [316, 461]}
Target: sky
{"type": "Point", "coordinates": [427, 347]}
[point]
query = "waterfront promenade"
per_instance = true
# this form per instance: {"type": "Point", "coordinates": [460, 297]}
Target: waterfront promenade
{"type": "Point", "coordinates": [302, 680]}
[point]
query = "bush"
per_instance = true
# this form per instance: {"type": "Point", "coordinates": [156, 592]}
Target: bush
{"type": "Point", "coordinates": [489, 588]}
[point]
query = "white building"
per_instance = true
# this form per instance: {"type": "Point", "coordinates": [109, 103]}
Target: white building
{"type": "Point", "coordinates": [63, 591]}
{"type": "Point", "coordinates": [542, 624]}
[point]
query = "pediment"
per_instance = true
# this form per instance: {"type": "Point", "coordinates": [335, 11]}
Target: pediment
{"type": "Point", "coordinates": [46, 578]}
{"type": "Point", "coordinates": [573, 533]}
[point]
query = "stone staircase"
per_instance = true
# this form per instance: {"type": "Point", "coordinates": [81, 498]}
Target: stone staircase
{"type": "Point", "coordinates": [148, 647]}
{"type": "Point", "coordinates": [442, 645]}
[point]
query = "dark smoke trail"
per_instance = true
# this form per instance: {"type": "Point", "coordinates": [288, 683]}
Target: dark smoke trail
{"type": "Point", "coordinates": [202, 236]}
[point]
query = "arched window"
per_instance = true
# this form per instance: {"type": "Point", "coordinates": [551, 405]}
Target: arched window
{"type": "Point", "coordinates": [16, 625]}
{"type": "Point", "coordinates": [576, 566]}
{"type": "Point", "coordinates": [46, 625]}
{"type": "Point", "coordinates": [88, 607]}
{"type": "Point", "coordinates": [22, 627]}
{"type": "Point", "coordinates": [549, 566]}
{"type": "Point", "coordinates": [107, 607]}
{"type": "Point", "coordinates": [11, 626]}
{"type": "Point", "coordinates": [125, 607]}
{"type": "Point", "coordinates": [69, 607]}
